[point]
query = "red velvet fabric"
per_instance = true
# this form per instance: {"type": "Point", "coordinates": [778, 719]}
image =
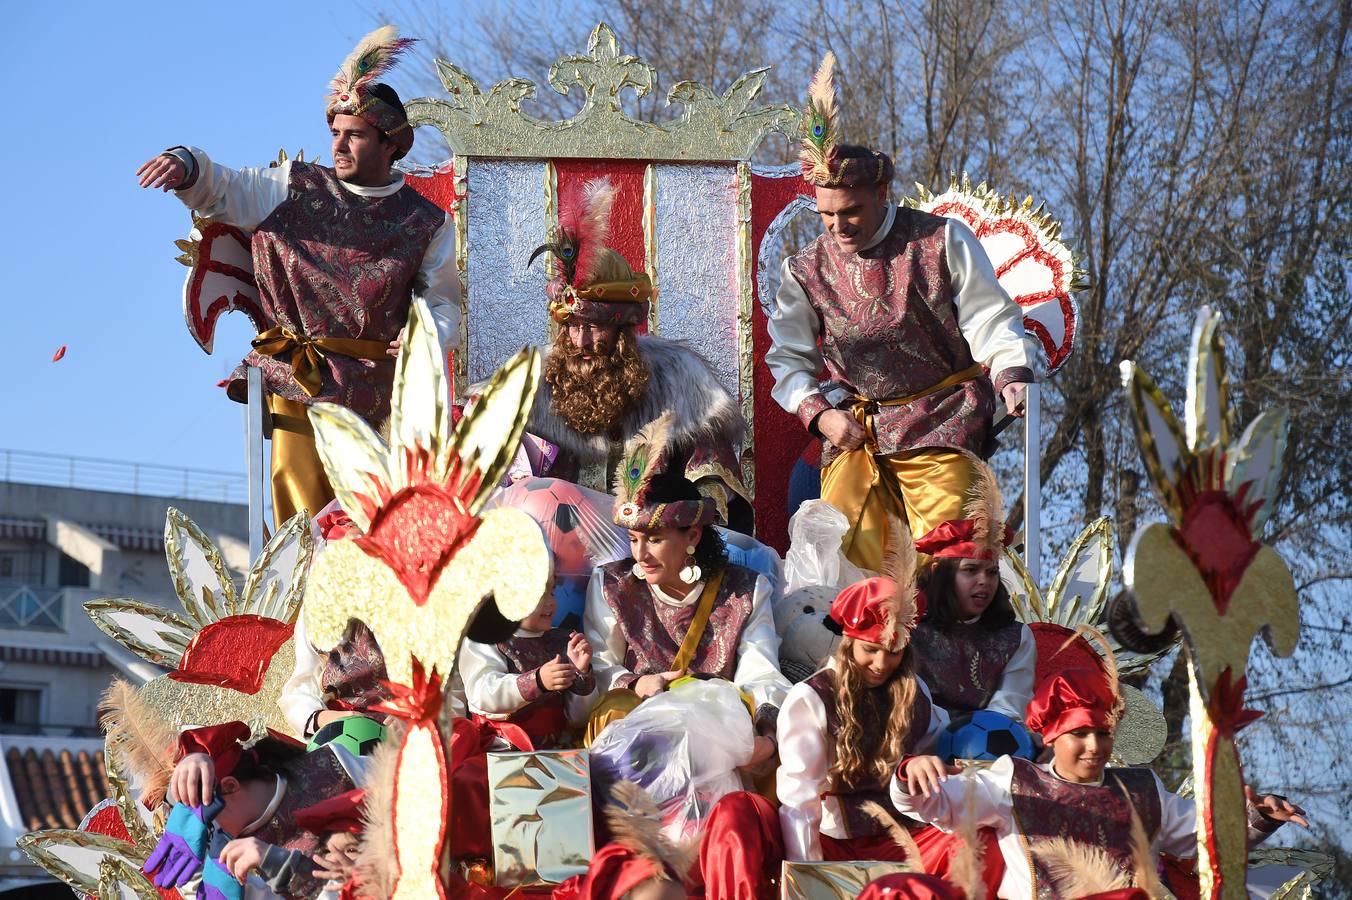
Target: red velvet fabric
{"type": "Point", "coordinates": [936, 852]}
{"type": "Point", "coordinates": [910, 887]}
{"type": "Point", "coordinates": [614, 871]}
{"type": "Point", "coordinates": [1070, 700]}
{"type": "Point", "coordinates": [741, 850]}
{"type": "Point", "coordinates": [340, 813]}
{"type": "Point", "coordinates": [953, 540]}
{"type": "Point", "coordinates": [223, 743]}
{"type": "Point", "coordinates": [861, 609]}
{"type": "Point", "coordinates": [470, 834]}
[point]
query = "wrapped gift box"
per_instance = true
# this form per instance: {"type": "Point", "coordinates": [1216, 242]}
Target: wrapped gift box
{"type": "Point", "coordinates": [832, 880]}
{"type": "Point", "coordinates": [540, 809]}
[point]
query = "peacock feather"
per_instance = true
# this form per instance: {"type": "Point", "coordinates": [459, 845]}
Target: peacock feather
{"type": "Point", "coordinates": [374, 55]}
{"type": "Point", "coordinates": [644, 453]}
{"type": "Point", "coordinates": [819, 124]}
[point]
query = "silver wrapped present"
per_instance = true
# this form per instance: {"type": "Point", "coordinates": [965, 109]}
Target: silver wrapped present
{"type": "Point", "coordinates": [540, 810]}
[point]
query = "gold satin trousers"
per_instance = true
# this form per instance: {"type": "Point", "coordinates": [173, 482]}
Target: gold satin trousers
{"type": "Point", "coordinates": [298, 479]}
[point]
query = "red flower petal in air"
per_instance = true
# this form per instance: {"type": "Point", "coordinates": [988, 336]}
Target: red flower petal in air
{"type": "Point", "coordinates": [60, 352]}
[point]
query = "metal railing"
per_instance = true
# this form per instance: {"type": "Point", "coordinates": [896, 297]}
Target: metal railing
{"type": "Point", "coordinates": [89, 473]}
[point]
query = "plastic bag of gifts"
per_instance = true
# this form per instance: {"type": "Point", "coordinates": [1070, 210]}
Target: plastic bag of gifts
{"type": "Point", "coordinates": [683, 746]}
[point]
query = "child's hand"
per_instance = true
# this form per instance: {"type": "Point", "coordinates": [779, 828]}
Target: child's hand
{"type": "Point", "coordinates": [242, 855]}
{"type": "Point", "coordinates": [193, 780]}
{"type": "Point", "coordinates": [333, 866]}
{"type": "Point", "coordinates": [1275, 807]}
{"type": "Point", "coordinates": [557, 674]}
{"type": "Point", "coordinates": [924, 774]}
{"type": "Point", "coordinates": [580, 652]}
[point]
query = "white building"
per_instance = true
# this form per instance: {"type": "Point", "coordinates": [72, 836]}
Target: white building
{"type": "Point", "coordinates": [86, 529]}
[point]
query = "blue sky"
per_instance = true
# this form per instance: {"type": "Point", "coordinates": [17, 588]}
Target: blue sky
{"type": "Point", "coordinates": [89, 257]}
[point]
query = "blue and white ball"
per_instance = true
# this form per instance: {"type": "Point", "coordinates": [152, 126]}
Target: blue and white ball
{"type": "Point", "coordinates": [985, 735]}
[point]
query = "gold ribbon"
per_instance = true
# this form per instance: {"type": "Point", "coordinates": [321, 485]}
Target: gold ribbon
{"type": "Point", "coordinates": [864, 409]}
{"type": "Point", "coordinates": [305, 352]}
{"type": "Point", "coordinates": [697, 625]}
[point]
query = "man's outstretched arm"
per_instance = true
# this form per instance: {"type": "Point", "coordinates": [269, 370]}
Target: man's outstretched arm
{"type": "Point", "coordinates": [241, 197]}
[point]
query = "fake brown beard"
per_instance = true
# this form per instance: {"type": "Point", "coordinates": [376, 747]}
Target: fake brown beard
{"type": "Point", "coordinates": [592, 394]}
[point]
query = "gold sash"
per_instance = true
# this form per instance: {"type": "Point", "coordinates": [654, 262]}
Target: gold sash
{"type": "Point", "coordinates": [863, 408]}
{"type": "Point", "coordinates": [304, 352]}
{"type": "Point", "coordinates": [690, 642]}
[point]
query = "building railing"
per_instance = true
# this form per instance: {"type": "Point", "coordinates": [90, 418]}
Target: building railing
{"type": "Point", "coordinates": [24, 607]}
{"type": "Point", "coordinates": [90, 473]}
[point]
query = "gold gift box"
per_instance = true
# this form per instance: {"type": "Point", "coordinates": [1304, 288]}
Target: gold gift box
{"type": "Point", "coordinates": [540, 810]}
{"type": "Point", "coordinates": [832, 880]}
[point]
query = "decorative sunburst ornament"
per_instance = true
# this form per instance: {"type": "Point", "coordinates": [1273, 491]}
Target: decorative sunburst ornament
{"type": "Point", "coordinates": [1034, 266]}
{"type": "Point", "coordinates": [1207, 569]}
{"type": "Point", "coordinates": [231, 651]}
{"type": "Point", "coordinates": [426, 558]}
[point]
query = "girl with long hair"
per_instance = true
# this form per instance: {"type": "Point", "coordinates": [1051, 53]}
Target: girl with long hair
{"type": "Point", "coordinates": [844, 731]}
{"type": "Point", "coordinates": [969, 645]}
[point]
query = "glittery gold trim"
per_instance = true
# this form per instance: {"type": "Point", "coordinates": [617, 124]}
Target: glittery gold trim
{"type": "Point", "coordinates": [187, 704]}
{"type": "Point", "coordinates": [460, 165]}
{"type": "Point", "coordinates": [181, 537]}
{"type": "Point", "coordinates": [746, 299]}
{"type": "Point", "coordinates": [77, 858]}
{"type": "Point", "coordinates": [1093, 547]}
{"type": "Point", "coordinates": [650, 242]}
{"type": "Point", "coordinates": [710, 127]}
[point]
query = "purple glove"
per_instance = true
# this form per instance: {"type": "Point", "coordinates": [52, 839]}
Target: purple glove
{"type": "Point", "coordinates": [179, 854]}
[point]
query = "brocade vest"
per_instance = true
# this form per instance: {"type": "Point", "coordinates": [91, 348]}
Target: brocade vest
{"type": "Point", "coordinates": [545, 715]}
{"type": "Point", "coordinates": [1047, 807]}
{"type": "Point", "coordinates": [332, 263]}
{"type": "Point", "coordinates": [889, 329]}
{"type": "Point", "coordinates": [963, 666]}
{"type": "Point", "coordinates": [653, 630]}
{"type": "Point", "coordinates": [353, 674]}
{"type": "Point", "coordinates": [874, 710]}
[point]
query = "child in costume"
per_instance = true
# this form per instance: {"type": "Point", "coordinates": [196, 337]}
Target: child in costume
{"type": "Point", "coordinates": [540, 681]}
{"type": "Point", "coordinates": [970, 648]}
{"type": "Point", "coordinates": [1077, 794]}
{"type": "Point", "coordinates": [843, 730]}
{"type": "Point", "coordinates": [235, 811]}
{"type": "Point", "coordinates": [338, 823]}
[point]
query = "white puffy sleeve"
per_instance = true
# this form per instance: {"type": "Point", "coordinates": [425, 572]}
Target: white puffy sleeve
{"type": "Point", "coordinates": [793, 357]}
{"type": "Point", "coordinates": [757, 671]}
{"type": "Point", "coordinates": [241, 197]}
{"type": "Point", "coordinates": [1016, 682]}
{"type": "Point", "coordinates": [987, 791]}
{"type": "Point", "coordinates": [608, 644]}
{"type": "Point", "coordinates": [490, 689]}
{"type": "Point", "coordinates": [1178, 823]}
{"type": "Point", "coordinates": [991, 322]}
{"type": "Point", "coordinates": [804, 759]}
{"type": "Point", "coordinates": [438, 283]}
{"type": "Point", "coordinates": [302, 695]}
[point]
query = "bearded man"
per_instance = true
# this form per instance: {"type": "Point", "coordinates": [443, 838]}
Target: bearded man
{"type": "Point", "coordinates": [603, 381]}
{"type": "Point", "coordinates": [338, 254]}
{"type": "Point", "coordinates": [903, 312]}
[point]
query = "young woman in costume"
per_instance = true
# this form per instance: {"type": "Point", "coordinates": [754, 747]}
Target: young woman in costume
{"type": "Point", "coordinates": [1032, 806]}
{"type": "Point", "coordinates": [843, 731]}
{"type": "Point", "coordinates": [970, 648]}
{"type": "Point", "coordinates": [676, 606]}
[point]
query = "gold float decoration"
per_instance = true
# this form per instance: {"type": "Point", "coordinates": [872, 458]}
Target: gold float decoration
{"type": "Point", "coordinates": [710, 127]}
{"type": "Point", "coordinates": [1207, 570]}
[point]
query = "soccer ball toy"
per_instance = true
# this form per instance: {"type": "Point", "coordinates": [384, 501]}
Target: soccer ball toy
{"type": "Point", "coordinates": [986, 735]}
{"type": "Point", "coordinates": [356, 734]}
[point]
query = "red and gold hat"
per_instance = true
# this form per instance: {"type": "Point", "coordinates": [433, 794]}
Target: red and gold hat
{"type": "Point", "coordinates": [884, 609]}
{"type": "Point", "coordinates": [1073, 699]}
{"type": "Point", "coordinates": [825, 161]}
{"type": "Point", "coordinates": [589, 281]}
{"type": "Point", "coordinates": [354, 91]}
{"type": "Point", "coordinates": [981, 533]}
{"type": "Point", "coordinates": [647, 455]}
{"type": "Point", "coordinates": [340, 813]}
